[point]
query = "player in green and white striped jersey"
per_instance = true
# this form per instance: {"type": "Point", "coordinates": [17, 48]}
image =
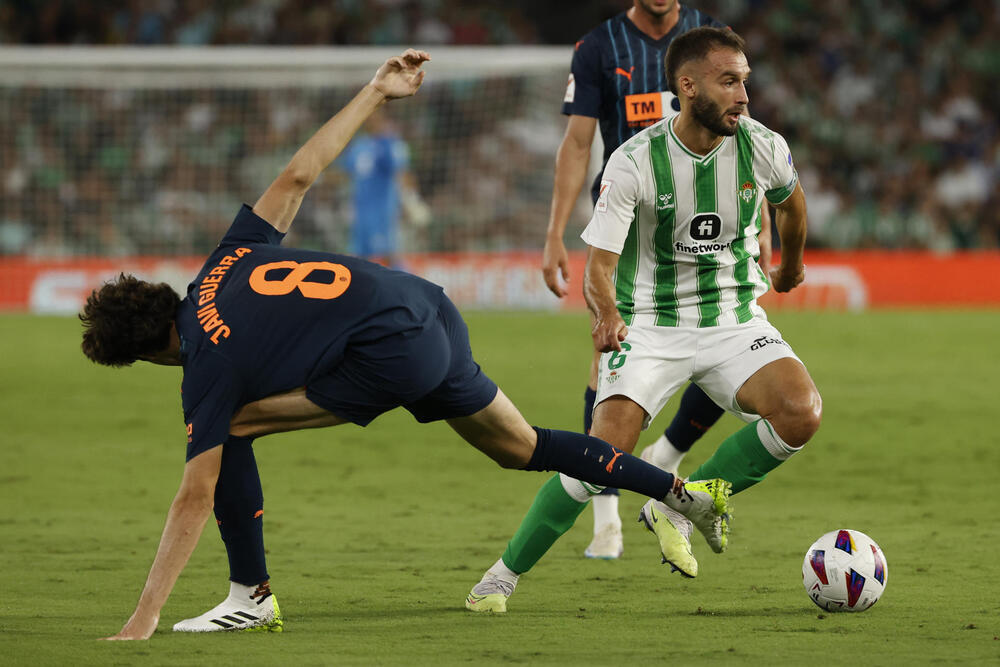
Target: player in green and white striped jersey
{"type": "Point", "coordinates": [685, 225]}
{"type": "Point", "coordinates": [672, 279]}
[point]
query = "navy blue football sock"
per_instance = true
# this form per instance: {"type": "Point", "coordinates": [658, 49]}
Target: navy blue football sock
{"type": "Point", "coordinates": [592, 460]}
{"type": "Point", "coordinates": [239, 511]}
{"type": "Point", "coordinates": [589, 397]}
{"type": "Point", "coordinates": [695, 416]}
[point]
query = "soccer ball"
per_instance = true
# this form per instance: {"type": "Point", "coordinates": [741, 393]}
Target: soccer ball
{"type": "Point", "coordinates": [844, 571]}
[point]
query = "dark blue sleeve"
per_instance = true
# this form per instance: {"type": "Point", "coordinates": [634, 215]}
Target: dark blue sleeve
{"type": "Point", "coordinates": [211, 393]}
{"type": "Point", "coordinates": [709, 21]}
{"type": "Point", "coordinates": [248, 227]}
{"type": "Point", "coordinates": [583, 93]}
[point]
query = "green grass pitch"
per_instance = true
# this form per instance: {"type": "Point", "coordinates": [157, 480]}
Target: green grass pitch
{"type": "Point", "coordinates": [375, 536]}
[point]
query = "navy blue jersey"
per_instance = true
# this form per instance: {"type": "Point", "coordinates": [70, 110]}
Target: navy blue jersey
{"type": "Point", "coordinates": [260, 319]}
{"type": "Point", "coordinates": [618, 77]}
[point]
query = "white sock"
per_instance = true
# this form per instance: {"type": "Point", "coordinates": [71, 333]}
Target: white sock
{"type": "Point", "coordinates": [579, 491]}
{"type": "Point", "coordinates": [503, 573]}
{"type": "Point", "coordinates": [665, 455]}
{"type": "Point", "coordinates": [241, 593]}
{"type": "Point", "coordinates": [773, 443]}
{"type": "Point", "coordinates": [606, 512]}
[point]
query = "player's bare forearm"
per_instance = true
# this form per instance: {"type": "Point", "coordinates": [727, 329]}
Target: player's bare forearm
{"type": "Point", "coordinates": [570, 174]}
{"type": "Point", "coordinates": [572, 160]}
{"type": "Point", "coordinates": [185, 521]}
{"type": "Point", "coordinates": [397, 77]}
{"type": "Point", "coordinates": [790, 218]}
{"type": "Point", "coordinates": [599, 291]}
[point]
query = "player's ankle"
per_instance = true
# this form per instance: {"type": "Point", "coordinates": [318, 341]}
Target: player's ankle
{"type": "Point", "coordinates": [249, 592]}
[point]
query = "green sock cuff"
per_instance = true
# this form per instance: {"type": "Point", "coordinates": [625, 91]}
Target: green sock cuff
{"type": "Point", "coordinates": [741, 459]}
{"type": "Point", "coordinates": [551, 514]}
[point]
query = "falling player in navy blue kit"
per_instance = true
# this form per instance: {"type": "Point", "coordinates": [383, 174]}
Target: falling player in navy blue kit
{"type": "Point", "coordinates": [274, 339]}
{"type": "Point", "coordinates": [617, 83]}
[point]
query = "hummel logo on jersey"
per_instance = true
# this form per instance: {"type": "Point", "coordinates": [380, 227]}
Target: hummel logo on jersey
{"type": "Point", "coordinates": [666, 201]}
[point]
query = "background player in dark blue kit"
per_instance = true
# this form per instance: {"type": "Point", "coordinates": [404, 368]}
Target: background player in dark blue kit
{"type": "Point", "coordinates": [275, 339]}
{"type": "Point", "coordinates": [617, 82]}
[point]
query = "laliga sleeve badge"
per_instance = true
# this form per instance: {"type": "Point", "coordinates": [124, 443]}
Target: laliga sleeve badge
{"type": "Point", "coordinates": [602, 199]}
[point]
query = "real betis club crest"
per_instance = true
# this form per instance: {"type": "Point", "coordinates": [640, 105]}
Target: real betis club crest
{"type": "Point", "coordinates": [747, 191]}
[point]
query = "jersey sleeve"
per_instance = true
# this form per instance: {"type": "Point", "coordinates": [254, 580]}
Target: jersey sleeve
{"type": "Point", "coordinates": [211, 393]}
{"type": "Point", "coordinates": [616, 205]}
{"type": "Point", "coordinates": [248, 227]}
{"type": "Point", "coordinates": [707, 20]}
{"type": "Point", "coordinates": [783, 174]}
{"type": "Point", "coordinates": [583, 90]}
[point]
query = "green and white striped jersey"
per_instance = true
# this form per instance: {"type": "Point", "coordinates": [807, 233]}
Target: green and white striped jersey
{"type": "Point", "coordinates": [685, 225]}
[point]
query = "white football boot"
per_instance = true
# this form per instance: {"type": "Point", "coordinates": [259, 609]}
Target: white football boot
{"type": "Point", "coordinates": [607, 543]}
{"type": "Point", "coordinates": [248, 608]}
{"type": "Point", "coordinates": [673, 532]}
{"type": "Point", "coordinates": [706, 503]}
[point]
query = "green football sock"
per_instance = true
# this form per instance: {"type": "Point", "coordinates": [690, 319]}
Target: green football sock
{"type": "Point", "coordinates": [551, 514]}
{"type": "Point", "coordinates": [742, 459]}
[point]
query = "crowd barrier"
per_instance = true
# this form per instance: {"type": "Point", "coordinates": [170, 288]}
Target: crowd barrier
{"type": "Point", "coordinates": [512, 280]}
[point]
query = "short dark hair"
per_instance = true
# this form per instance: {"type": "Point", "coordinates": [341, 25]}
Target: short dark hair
{"type": "Point", "coordinates": [127, 318]}
{"type": "Point", "coordinates": [695, 45]}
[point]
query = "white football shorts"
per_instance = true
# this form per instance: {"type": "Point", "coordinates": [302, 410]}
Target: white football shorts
{"type": "Point", "coordinates": [656, 361]}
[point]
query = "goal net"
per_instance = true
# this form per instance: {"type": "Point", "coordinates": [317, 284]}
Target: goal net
{"type": "Point", "coordinates": [110, 152]}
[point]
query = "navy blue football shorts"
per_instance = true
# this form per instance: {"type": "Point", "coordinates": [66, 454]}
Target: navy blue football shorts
{"type": "Point", "coordinates": [428, 371]}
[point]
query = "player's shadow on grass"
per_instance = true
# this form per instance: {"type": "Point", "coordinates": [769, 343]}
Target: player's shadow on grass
{"type": "Point", "coordinates": [743, 612]}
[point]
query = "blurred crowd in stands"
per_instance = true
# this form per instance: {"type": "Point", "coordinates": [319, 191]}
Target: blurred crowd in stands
{"type": "Point", "coordinates": [164, 171]}
{"type": "Point", "coordinates": [890, 109]}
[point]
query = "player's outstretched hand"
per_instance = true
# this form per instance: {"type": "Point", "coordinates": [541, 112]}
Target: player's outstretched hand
{"type": "Point", "coordinates": [555, 264]}
{"type": "Point", "coordinates": [784, 280]}
{"type": "Point", "coordinates": [401, 75]}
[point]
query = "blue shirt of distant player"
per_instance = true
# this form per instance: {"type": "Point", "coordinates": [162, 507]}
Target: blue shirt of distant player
{"type": "Point", "coordinates": [617, 74]}
{"type": "Point", "coordinates": [374, 162]}
{"type": "Point", "coordinates": [260, 319]}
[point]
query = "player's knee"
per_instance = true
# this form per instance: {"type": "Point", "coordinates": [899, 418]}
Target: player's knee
{"type": "Point", "coordinates": [801, 417]}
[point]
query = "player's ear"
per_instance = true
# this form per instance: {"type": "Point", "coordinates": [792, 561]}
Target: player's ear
{"type": "Point", "coordinates": [686, 86]}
